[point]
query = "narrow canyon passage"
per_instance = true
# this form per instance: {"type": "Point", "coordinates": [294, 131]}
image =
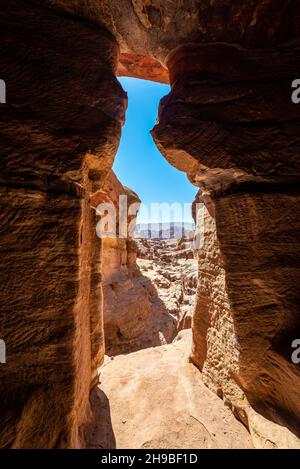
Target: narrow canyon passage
{"type": "Point", "coordinates": [149, 394]}
{"type": "Point", "coordinates": [229, 122]}
{"type": "Point", "coordinates": [149, 282]}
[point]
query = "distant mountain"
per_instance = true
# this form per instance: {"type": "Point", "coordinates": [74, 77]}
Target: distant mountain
{"type": "Point", "coordinates": [164, 230]}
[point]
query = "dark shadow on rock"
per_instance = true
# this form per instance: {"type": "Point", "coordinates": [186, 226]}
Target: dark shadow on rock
{"type": "Point", "coordinates": [147, 331]}
{"type": "Point", "coordinates": [99, 432]}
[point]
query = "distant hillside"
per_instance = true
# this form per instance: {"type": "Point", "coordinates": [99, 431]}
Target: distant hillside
{"type": "Point", "coordinates": [164, 230]}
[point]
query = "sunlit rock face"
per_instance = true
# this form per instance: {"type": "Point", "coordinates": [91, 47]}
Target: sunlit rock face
{"type": "Point", "coordinates": [228, 122]}
{"type": "Point", "coordinates": [134, 316]}
{"type": "Point", "coordinates": [194, 419]}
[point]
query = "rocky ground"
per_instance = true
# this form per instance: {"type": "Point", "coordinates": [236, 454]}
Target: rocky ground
{"type": "Point", "coordinates": [149, 290]}
{"type": "Point", "coordinates": [149, 394]}
{"type": "Point", "coordinates": [155, 398]}
{"type": "Point", "coordinates": [172, 267]}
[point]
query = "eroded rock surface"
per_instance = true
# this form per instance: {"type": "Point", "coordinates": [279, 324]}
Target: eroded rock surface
{"type": "Point", "coordinates": [228, 122]}
{"type": "Point", "coordinates": [148, 30]}
{"type": "Point", "coordinates": [64, 112]}
{"type": "Point", "coordinates": [135, 316]}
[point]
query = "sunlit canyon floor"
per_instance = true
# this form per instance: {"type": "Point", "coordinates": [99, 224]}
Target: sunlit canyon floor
{"type": "Point", "coordinates": [155, 398]}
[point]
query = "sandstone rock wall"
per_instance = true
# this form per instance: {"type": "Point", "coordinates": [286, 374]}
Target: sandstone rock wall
{"type": "Point", "coordinates": [148, 30]}
{"type": "Point", "coordinates": [234, 129]}
{"type": "Point", "coordinates": [228, 122]}
{"type": "Point", "coordinates": [59, 131]}
{"type": "Point", "coordinates": [246, 318]}
{"type": "Point", "coordinates": [134, 317]}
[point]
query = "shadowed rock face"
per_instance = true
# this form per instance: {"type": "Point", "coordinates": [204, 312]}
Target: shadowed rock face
{"type": "Point", "coordinates": [150, 29]}
{"type": "Point", "coordinates": [246, 308]}
{"type": "Point", "coordinates": [228, 122]}
{"type": "Point", "coordinates": [59, 132]}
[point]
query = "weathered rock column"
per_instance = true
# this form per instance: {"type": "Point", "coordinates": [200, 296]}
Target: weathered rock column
{"type": "Point", "coordinates": [230, 124]}
{"type": "Point", "coordinates": [126, 306]}
{"type": "Point", "coordinates": [59, 132]}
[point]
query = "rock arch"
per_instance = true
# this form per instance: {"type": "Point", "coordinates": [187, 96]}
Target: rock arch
{"type": "Point", "coordinates": [229, 122]}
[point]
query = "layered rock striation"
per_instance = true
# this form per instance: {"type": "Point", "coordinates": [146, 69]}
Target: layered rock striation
{"type": "Point", "coordinates": [230, 123]}
{"type": "Point", "coordinates": [59, 131]}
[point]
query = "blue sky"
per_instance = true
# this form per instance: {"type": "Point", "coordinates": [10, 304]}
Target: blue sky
{"type": "Point", "coordinates": [138, 163]}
